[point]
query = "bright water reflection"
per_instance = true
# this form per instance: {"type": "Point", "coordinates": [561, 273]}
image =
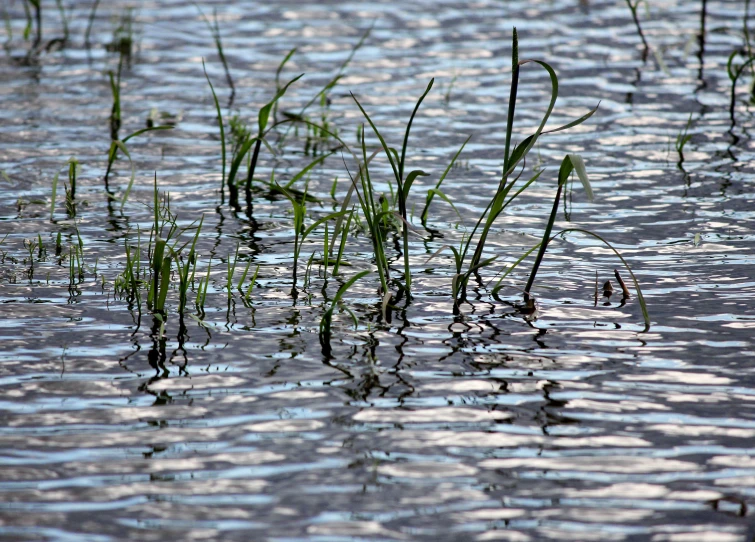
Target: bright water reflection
{"type": "Point", "coordinates": [434, 426]}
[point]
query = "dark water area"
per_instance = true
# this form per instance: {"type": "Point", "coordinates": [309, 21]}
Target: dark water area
{"type": "Point", "coordinates": [239, 423]}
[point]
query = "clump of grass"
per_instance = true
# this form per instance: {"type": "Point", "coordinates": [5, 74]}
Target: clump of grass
{"type": "Point", "coordinates": [128, 282]}
{"type": "Point", "coordinates": [160, 262]}
{"type": "Point", "coordinates": [301, 232]}
{"type": "Point", "coordinates": [69, 187]}
{"type": "Point", "coordinates": [75, 266]}
{"type": "Point", "coordinates": [244, 145]}
{"type": "Point", "coordinates": [505, 194]}
{"type": "Point", "coordinates": [164, 250]}
{"type": "Point", "coordinates": [31, 246]}
{"type": "Point", "coordinates": [403, 183]}
{"type": "Point", "coordinates": [184, 266]}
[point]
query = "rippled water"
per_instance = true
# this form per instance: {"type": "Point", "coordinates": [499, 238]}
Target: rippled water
{"type": "Point", "coordinates": [479, 426]}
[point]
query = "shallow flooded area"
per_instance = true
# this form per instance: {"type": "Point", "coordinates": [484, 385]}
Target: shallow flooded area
{"type": "Point", "coordinates": [279, 399]}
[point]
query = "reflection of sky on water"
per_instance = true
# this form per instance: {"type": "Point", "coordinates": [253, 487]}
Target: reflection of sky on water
{"type": "Point", "coordinates": [568, 426]}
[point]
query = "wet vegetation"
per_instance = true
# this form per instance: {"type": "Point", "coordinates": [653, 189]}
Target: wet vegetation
{"type": "Point", "coordinates": [352, 217]}
{"type": "Point", "coordinates": [149, 277]}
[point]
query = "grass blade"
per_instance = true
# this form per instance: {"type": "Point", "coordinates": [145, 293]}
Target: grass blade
{"type": "Point", "coordinates": [220, 124]}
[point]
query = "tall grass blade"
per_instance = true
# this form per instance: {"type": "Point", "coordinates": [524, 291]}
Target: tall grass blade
{"type": "Point", "coordinates": [409, 127]}
{"type": "Point", "coordinates": [54, 194]}
{"type": "Point", "coordinates": [215, 33]}
{"type": "Point", "coordinates": [563, 175]}
{"type": "Point", "coordinates": [220, 124]}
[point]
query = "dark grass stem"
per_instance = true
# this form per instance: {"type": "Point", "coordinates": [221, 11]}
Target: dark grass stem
{"type": "Point", "coordinates": [90, 23]}
{"type": "Point", "coordinates": [635, 18]}
{"type": "Point", "coordinates": [215, 32]}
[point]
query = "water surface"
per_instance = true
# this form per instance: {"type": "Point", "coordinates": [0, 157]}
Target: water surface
{"type": "Point", "coordinates": [486, 425]}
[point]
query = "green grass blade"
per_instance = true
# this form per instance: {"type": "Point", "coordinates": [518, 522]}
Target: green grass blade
{"type": "Point", "coordinates": [563, 175]}
{"type": "Point", "coordinates": [342, 246]}
{"type": "Point", "coordinates": [437, 192]}
{"type": "Point", "coordinates": [220, 124]}
{"type": "Point", "coordinates": [387, 150]}
{"type": "Point", "coordinates": [409, 127]}
{"type": "Point", "coordinates": [440, 181]}
{"type": "Point", "coordinates": [144, 130]}
{"type": "Point", "coordinates": [124, 150]}
{"type": "Point", "coordinates": [327, 318]}
{"type": "Point", "coordinates": [410, 181]}
{"type": "Point", "coordinates": [264, 114]}
{"type": "Point", "coordinates": [239, 159]}
{"type": "Point", "coordinates": [498, 285]}
{"type": "Point", "coordinates": [313, 164]}
{"type": "Point", "coordinates": [54, 194]}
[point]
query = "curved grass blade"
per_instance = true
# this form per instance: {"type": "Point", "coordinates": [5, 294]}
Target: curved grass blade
{"type": "Point", "coordinates": [440, 181]}
{"type": "Point", "coordinates": [313, 164]}
{"type": "Point", "coordinates": [144, 130]}
{"type": "Point", "coordinates": [264, 114]}
{"type": "Point", "coordinates": [579, 167]}
{"type": "Point", "coordinates": [408, 129]}
{"type": "Point", "coordinates": [387, 149]}
{"type": "Point", "coordinates": [498, 285]}
{"type": "Point", "coordinates": [436, 191]}
{"type": "Point", "coordinates": [409, 181]}
{"type": "Point", "coordinates": [327, 318]}
{"type": "Point", "coordinates": [640, 297]}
